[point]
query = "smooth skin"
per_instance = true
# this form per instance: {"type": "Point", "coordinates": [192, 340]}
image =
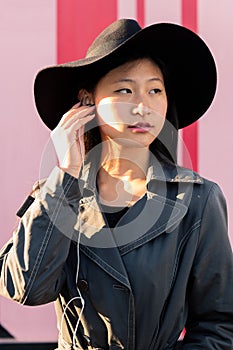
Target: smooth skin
{"type": "Point", "coordinates": [130, 105]}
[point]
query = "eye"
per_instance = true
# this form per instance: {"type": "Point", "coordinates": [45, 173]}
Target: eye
{"type": "Point", "coordinates": [124, 91]}
{"type": "Point", "coordinates": [155, 91]}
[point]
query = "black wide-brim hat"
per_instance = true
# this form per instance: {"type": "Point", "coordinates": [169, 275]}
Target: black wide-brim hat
{"type": "Point", "coordinates": [187, 57]}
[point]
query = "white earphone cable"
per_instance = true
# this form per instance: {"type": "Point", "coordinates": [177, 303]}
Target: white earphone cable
{"type": "Point", "coordinates": [77, 272]}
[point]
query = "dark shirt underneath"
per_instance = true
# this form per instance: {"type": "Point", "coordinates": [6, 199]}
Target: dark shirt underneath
{"type": "Point", "coordinates": [113, 214]}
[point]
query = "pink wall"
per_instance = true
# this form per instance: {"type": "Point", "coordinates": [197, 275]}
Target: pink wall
{"type": "Point", "coordinates": [28, 42]}
{"type": "Point", "coordinates": [216, 136]}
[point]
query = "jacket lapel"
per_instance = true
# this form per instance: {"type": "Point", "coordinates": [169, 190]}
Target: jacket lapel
{"type": "Point", "coordinates": [97, 241]}
{"type": "Point", "coordinates": [158, 215]}
{"type": "Point", "coordinates": [143, 222]}
{"type": "Point", "coordinates": [153, 215]}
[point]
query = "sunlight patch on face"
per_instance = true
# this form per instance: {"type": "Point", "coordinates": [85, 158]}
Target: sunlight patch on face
{"type": "Point", "coordinates": [129, 119]}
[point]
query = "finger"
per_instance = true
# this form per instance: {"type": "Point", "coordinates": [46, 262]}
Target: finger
{"type": "Point", "coordinates": [77, 105]}
{"type": "Point", "coordinates": [79, 123]}
{"type": "Point", "coordinates": [79, 135]}
{"type": "Point", "coordinates": [69, 113]}
{"type": "Point", "coordinates": [79, 118]}
{"type": "Point", "coordinates": [73, 115]}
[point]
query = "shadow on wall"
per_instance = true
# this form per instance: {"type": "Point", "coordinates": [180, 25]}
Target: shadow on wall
{"type": "Point", "coordinates": [28, 346]}
{"type": "Point", "coordinates": [7, 342]}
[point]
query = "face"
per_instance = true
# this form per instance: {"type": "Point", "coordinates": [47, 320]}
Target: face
{"type": "Point", "coordinates": [131, 103]}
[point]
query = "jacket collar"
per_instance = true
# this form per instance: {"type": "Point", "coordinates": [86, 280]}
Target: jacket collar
{"type": "Point", "coordinates": [157, 170]}
{"type": "Point", "coordinates": [169, 172]}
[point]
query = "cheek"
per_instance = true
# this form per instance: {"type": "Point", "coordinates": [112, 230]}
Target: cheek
{"type": "Point", "coordinates": [165, 108]}
{"type": "Point", "coordinates": [112, 112]}
{"type": "Point", "coordinates": [162, 107]}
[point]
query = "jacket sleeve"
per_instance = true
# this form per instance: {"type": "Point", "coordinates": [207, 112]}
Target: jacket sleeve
{"type": "Point", "coordinates": [210, 321]}
{"type": "Point", "coordinates": [31, 263]}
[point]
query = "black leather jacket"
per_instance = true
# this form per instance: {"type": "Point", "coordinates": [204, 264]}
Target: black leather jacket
{"type": "Point", "coordinates": [166, 265]}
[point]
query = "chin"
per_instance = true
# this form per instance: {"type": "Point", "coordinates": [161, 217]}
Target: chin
{"type": "Point", "coordinates": [131, 143]}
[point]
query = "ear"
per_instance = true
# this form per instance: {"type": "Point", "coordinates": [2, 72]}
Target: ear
{"type": "Point", "coordinates": [85, 97]}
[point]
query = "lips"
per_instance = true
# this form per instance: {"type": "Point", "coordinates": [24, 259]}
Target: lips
{"type": "Point", "coordinates": [140, 127]}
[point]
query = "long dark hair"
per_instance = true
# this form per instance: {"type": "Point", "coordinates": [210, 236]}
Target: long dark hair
{"type": "Point", "coordinates": [164, 147]}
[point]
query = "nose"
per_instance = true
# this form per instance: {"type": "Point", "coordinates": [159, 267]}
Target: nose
{"type": "Point", "coordinates": [140, 109]}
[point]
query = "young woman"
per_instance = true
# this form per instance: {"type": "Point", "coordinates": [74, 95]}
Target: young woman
{"type": "Point", "coordinates": [130, 246]}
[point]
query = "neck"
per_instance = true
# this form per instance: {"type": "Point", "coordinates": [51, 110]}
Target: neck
{"type": "Point", "coordinates": [122, 175]}
{"type": "Point", "coordinates": [124, 162]}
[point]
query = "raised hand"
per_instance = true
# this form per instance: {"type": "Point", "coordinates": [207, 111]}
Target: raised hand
{"type": "Point", "coordinates": [68, 138]}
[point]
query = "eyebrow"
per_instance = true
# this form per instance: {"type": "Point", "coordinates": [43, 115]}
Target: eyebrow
{"type": "Point", "coordinates": [132, 81]}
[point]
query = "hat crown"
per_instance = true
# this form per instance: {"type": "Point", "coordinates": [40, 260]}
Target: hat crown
{"type": "Point", "coordinates": [113, 36]}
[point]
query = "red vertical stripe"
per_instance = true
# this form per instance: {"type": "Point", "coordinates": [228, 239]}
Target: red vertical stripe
{"type": "Point", "coordinates": [190, 133]}
{"type": "Point", "coordinates": [78, 23]}
{"type": "Point", "coordinates": [141, 12]}
{"type": "Point", "coordinates": [189, 14]}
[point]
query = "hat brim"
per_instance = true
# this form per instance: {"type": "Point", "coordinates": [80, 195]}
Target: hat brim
{"type": "Point", "coordinates": [190, 63]}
